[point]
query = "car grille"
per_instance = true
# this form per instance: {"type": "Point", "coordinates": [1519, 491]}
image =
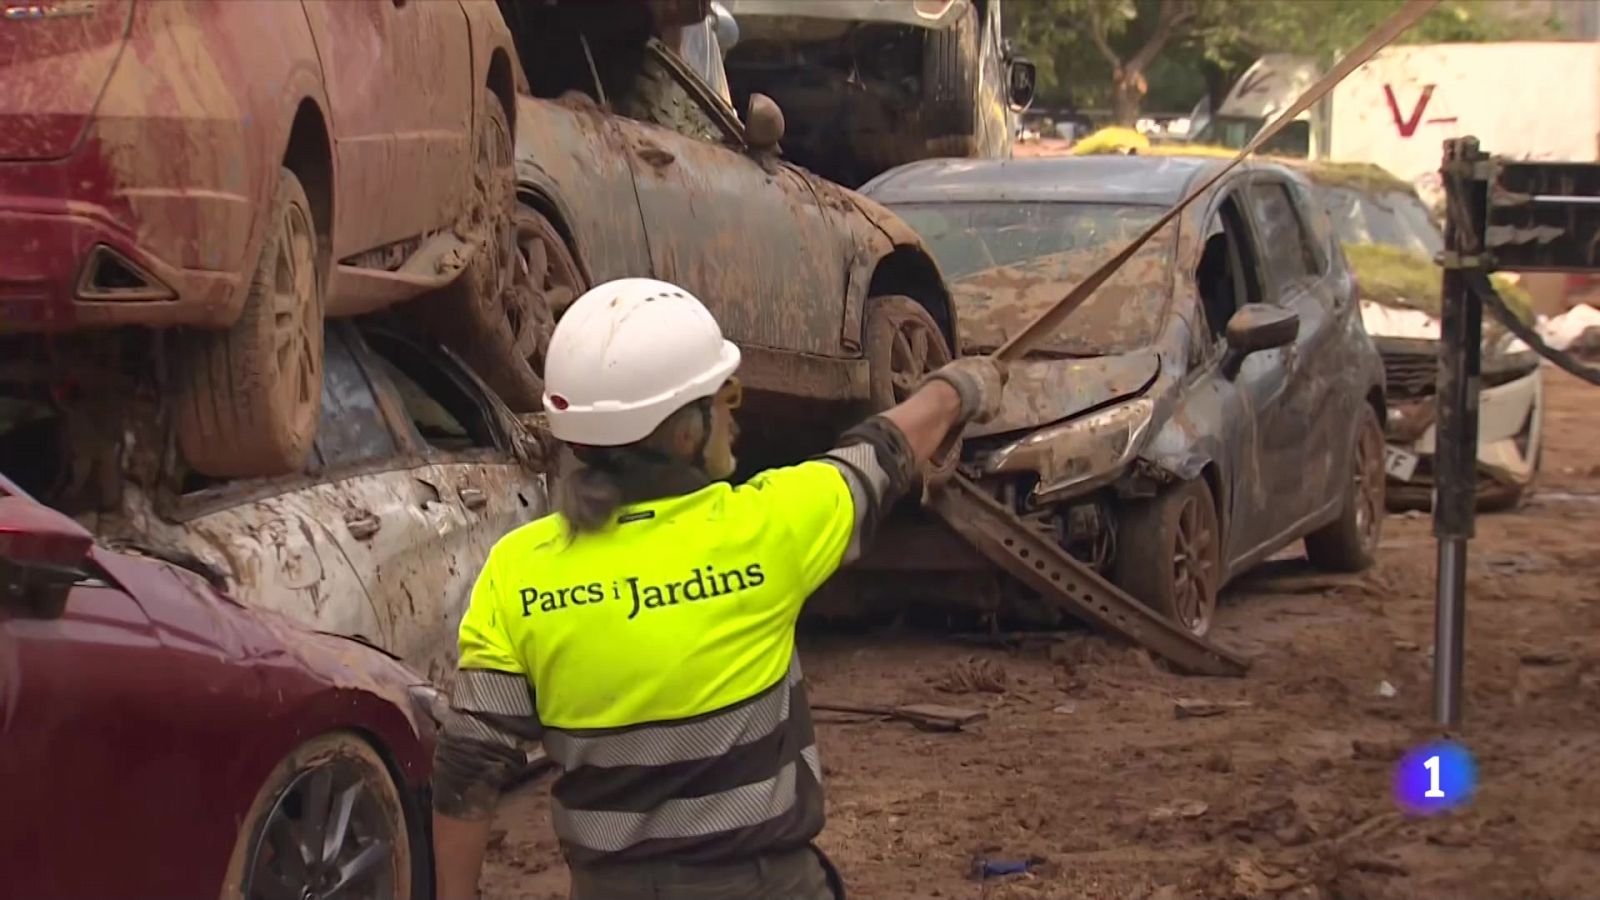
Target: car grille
{"type": "Point", "coordinates": [1410, 374]}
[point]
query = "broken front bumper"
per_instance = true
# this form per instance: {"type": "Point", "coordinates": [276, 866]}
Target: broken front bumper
{"type": "Point", "coordinates": [1509, 425]}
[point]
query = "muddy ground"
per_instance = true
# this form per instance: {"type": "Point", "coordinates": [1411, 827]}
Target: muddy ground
{"type": "Point", "coordinates": [1083, 766]}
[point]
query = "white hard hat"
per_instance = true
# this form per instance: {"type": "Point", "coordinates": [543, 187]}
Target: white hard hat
{"type": "Point", "coordinates": [625, 356]}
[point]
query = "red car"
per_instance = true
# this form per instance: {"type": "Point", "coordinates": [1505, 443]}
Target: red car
{"type": "Point", "coordinates": [159, 740]}
{"type": "Point", "coordinates": [244, 170]}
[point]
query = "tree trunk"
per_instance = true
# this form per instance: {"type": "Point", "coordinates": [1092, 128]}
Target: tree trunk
{"type": "Point", "coordinates": [1218, 81]}
{"type": "Point", "coordinates": [1127, 97]}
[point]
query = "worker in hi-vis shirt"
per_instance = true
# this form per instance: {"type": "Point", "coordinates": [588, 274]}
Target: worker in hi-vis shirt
{"type": "Point", "coordinates": [645, 630]}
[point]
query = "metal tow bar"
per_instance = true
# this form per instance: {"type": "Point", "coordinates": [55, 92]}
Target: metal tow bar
{"type": "Point", "coordinates": [1006, 540]}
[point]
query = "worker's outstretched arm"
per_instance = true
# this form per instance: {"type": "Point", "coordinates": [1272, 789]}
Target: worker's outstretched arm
{"type": "Point", "coordinates": [880, 457]}
{"type": "Point", "coordinates": [963, 391]}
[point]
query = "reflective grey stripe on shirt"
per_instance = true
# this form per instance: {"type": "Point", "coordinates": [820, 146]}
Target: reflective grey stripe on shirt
{"type": "Point", "coordinates": [659, 745]}
{"type": "Point", "coordinates": [858, 463]}
{"type": "Point", "coordinates": [488, 691]}
{"type": "Point", "coordinates": [741, 807]}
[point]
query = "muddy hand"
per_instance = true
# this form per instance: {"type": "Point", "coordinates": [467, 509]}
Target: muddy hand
{"type": "Point", "coordinates": [980, 381]}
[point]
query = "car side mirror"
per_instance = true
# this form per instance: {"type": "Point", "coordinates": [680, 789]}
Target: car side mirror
{"type": "Point", "coordinates": [725, 26]}
{"type": "Point", "coordinates": [763, 125]}
{"type": "Point", "coordinates": [41, 553]}
{"type": "Point", "coordinates": [1256, 327]}
{"type": "Point", "coordinates": [1023, 77]}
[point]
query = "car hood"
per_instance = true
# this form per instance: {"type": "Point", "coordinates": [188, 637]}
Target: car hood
{"type": "Point", "coordinates": [1043, 391]}
{"type": "Point", "coordinates": [1401, 329]}
{"type": "Point", "coordinates": [1122, 314]}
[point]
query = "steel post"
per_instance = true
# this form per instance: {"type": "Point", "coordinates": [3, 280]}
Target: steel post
{"type": "Point", "coordinates": [1456, 452]}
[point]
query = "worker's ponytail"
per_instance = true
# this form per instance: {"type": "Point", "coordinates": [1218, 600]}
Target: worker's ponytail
{"type": "Point", "coordinates": [596, 481]}
{"type": "Point", "coordinates": [586, 495]}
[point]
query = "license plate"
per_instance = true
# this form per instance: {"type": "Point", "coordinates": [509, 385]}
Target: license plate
{"type": "Point", "coordinates": [1400, 464]}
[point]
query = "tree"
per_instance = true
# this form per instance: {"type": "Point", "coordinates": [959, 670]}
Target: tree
{"type": "Point", "coordinates": [1104, 19]}
{"type": "Point", "coordinates": [1104, 51]}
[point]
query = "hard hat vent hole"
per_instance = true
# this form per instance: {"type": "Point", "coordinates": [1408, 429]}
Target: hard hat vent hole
{"type": "Point", "coordinates": [558, 401]}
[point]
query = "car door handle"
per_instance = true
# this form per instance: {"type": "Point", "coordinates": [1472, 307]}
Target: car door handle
{"type": "Point", "coordinates": [654, 156]}
{"type": "Point", "coordinates": [473, 498]}
{"type": "Point", "coordinates": [361, 524]}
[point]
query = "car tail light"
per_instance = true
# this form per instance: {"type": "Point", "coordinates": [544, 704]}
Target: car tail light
{"type": "Point", "coordinates": [58, 57]}
{"type": "Point", "coordinates": [34, 536]}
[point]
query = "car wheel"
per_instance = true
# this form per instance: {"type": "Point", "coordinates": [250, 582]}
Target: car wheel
{"type": "Point", "coordinates": [1350, 542]}
{"type": "Point", "coordinates": [327, 823]}
{"type": "Point", "coordinates": [1169, 553]}
{"type": "Point", "coordinates": [500, 313]}
{"type": "Point", "coordinates": [249, 396]}
{"type": "Point", "coordinates": [903, 345]}
{"type": "Point", "coordinates": [950, 81]}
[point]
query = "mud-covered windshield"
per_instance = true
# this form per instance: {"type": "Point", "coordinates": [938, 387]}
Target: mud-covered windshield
{"type": "Point", "coordinates": [1008, 262]}
{"type": "Point", "coordinates": [1393, 218]}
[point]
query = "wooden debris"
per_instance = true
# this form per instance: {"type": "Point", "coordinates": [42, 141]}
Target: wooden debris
{"type": "Point", "coordinates": [928, 716]}
{"type": "Point", "coordinates": [1192, 708]}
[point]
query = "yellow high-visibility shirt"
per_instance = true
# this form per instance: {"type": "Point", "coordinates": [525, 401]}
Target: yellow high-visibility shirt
{"type": "Point", "coordinates": [682, 606]}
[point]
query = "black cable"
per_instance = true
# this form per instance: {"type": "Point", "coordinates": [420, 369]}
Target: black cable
{"type": "Point", "coordinates": [1478, 282]}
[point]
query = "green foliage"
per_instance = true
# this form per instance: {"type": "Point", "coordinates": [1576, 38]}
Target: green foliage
{"type": "Point", "coordinates": [1395, 277]}
{"type": "Point", "coordinates": [1172, 42]}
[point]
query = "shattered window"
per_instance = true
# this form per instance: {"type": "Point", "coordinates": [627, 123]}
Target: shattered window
{"type": "Point", "coordinates": [1287, 247]}
{"type": "Point", "coordinates": [446, 416]}
{"type": "Point", "coordinates": [1007, 262]}
{"type": "Point", "coordinates": [352, 429]}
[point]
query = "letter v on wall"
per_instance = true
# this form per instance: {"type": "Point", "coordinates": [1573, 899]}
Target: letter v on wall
{"type": "Point", "coordinates": [1408, 127]}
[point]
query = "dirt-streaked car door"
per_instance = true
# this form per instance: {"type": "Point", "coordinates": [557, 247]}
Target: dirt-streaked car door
{"type": "Point", "coordinates": [462, 489]}
{"type": "Point", "coordinates": [1306, 434]}
{"type": "Point", "coordinates": [399, 79]}
{"type": "Point", "coordinates": [278, 541]}
{"type": "Point", "coordinates": [752, 239]}
{"type": "Point", "coordinates": [570, 154]}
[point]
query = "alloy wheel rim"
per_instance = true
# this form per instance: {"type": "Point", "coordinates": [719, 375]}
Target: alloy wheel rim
{"type": "Point", "coordinates": [1194, 567]}
{"type": "Point", "coordinates": [328, 837]}
{"type": "Point", "coordinates": [292, 305]}
{"type": "Point", "coordinates": [1369, 486]}
{"type": "Point", "coordinates": [915, 352]}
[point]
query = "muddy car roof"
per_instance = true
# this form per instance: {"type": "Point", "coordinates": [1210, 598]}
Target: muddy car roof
{"type": "Point", "coordinates": [1138, 180]}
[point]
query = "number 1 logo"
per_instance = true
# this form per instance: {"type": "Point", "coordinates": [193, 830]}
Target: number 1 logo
{"type": "Point", "coordinates": [1435, 777]}
{"type": "Point", "coordinates": [1432, 765]}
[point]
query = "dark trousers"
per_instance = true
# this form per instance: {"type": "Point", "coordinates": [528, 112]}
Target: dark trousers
{"type": "Point", "coordinates": [802, 874]}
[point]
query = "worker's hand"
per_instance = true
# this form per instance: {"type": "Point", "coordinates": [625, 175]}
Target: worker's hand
{"type": "Point", "coordinates": [980, 382]}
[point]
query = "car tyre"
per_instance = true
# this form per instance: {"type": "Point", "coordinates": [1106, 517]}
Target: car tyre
{"type": "Point", "coordinates": [500, 313]}
{"type": "Point", "coordinates": [1169, 554]}
{"type": "Point", "coordinates": [1350, 542]}
{"type": "Point", "coordinates": [367, 854]}
{"type": "Point", "coordinates": [950, 75]}
{"type": "Point", "coordinates": [903, 346]}
{"type": "Point", "coordinates": [249, 396]}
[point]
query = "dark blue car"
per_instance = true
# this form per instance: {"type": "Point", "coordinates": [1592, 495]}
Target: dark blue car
{"type": "Point", "coordinates": [1213, 402]}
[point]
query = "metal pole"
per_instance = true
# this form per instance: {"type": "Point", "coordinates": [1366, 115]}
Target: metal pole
{"type": "Point", "coordinates": [1456, 451]}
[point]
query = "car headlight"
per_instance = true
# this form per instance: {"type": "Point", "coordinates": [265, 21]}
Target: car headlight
{"type": "Point", "coordinates": [1079, 451]}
